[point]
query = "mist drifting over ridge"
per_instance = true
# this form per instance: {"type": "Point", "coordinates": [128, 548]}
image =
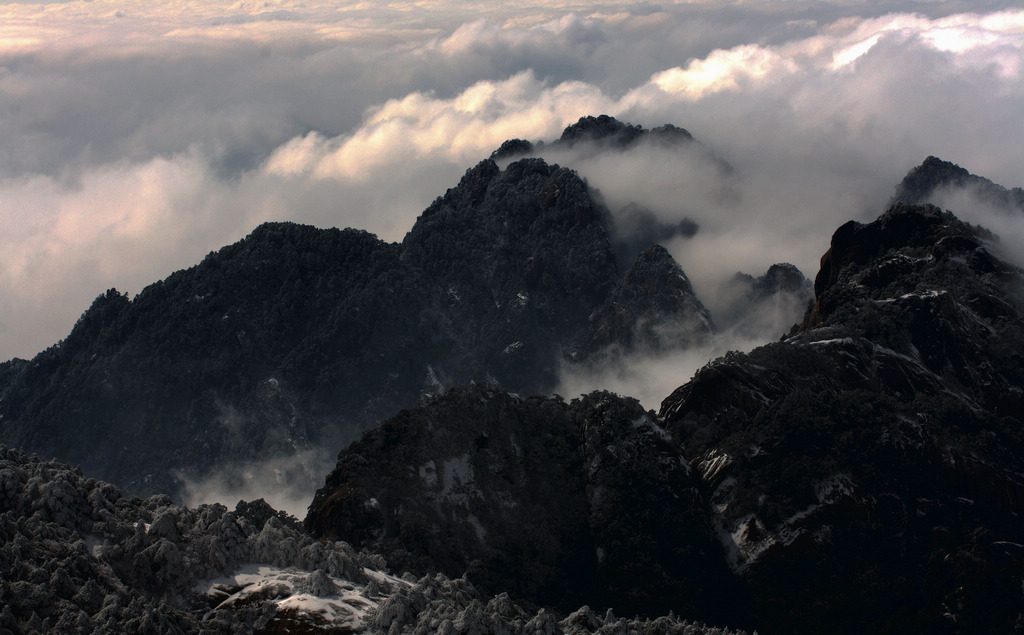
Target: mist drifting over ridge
{"type": "Point", "coordinates": [138, 139]}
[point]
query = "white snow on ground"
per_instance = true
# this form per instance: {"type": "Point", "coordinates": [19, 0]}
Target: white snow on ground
{"type": "Point", "coordinates": [303, 596]}
{"type": "Point", "coordinates": [712, 464]}
{"type": "Point", "coordinates": [906, 296]}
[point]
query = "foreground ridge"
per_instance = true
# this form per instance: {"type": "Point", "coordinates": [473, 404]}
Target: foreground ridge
{"type": "Point", "coordinates": [78, 556]}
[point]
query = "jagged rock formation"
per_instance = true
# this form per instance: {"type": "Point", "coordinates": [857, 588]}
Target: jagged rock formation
{"type": "Point", "coordinates": [862, 475]}
{"type": "Point", "coordinates": [76, 555]}
{"type": "Point", "coordinates": [557, 503]}
{"type": "Point", "coordinates": [935, 175]}
{"type": "Point", "coordinates": [298, 338]}
{"type": "Point", "coordinates": [865, 473]}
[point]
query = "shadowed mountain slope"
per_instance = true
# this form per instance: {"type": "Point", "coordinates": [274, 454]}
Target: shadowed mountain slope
{"type": "Point", "coordinates": [865, 474]}
{"type": "Point", "coordinates": [297, 339]}
{"type": "Point", "coordinates": [862, 475]}
{"type": "Point", "coordinates": [557, 503]}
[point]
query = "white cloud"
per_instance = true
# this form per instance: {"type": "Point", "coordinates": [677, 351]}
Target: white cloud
{"type": "Point", "coordinates": [723, 71]}
{"type": "Point", "coordinates": [133, 144]}
{"type": "Point", "coordinates": [286, 483]}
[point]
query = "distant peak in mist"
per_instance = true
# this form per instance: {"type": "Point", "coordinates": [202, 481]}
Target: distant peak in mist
{"type": "Point", "coordinates": [512, 148]}
{"type": "Point", "coordinates": [602, 131]}
{"type": "Point", "coordinates": [935, 175]}
{"type": "Point", "coordinates": [635, 228]}
{"type": "Point", "coordinates": [607, 131]}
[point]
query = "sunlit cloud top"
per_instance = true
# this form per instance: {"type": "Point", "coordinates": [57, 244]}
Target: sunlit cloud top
{"type": "Point", "coordinates": [136, 137]}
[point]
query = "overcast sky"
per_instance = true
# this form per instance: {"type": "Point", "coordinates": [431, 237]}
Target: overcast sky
{"type": "Point", "coordinates": [135, 137]}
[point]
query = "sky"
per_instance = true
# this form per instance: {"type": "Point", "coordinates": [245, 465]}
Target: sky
{"type": "Point", "coordinates": [137, 137]}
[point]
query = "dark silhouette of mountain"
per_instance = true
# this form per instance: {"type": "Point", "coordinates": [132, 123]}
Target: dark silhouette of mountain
{"type": "Point", "coordinates": [557, 503]}
{"type": "Point", "coordinates": [298, 338]}
{"type": "Point", "coordinates": [935, 175]}
{"type": "Point", "coordinates": [865, 474]}
{"type": "Point", "coordinates": [862, 475]}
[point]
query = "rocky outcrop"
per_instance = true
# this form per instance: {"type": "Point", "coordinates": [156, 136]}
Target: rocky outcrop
{"type": "Point", "coordinates": [557, 503]}
{"type": "Point", "coordinates": [864, 473]}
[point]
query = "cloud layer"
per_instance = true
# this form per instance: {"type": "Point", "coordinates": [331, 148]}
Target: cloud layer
{"type": "Point", "coordinates": [134, 139]}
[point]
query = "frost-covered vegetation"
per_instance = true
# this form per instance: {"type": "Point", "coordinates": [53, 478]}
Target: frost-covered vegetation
{"type": "Point", "coordinates": [76, 555]}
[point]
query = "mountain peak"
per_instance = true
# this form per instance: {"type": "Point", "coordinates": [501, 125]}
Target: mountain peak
{"type": "Point", "coordinates": [904, 226]}
{"type": "Point", "coordinates": [924, 182]}
{"type": "Point", "coordinates": [601, 129]}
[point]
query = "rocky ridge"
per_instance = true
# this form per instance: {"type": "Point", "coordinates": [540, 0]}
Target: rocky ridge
{"type": "Point", "coordinates": [296, 339]}
{"type": "Point", "coordinates": [874, 455]}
